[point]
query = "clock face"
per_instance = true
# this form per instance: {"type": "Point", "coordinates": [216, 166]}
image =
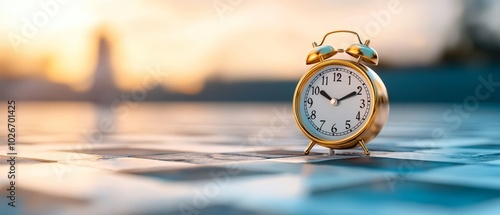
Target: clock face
{"type": "Point", "coordinates": [335, 103]}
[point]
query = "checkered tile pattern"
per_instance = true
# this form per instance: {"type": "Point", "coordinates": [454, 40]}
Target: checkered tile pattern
{"type": "Point", "coordinates": [243, 158]}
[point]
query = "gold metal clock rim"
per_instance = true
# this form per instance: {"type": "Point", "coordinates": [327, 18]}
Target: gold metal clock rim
{"type": "Point", "coordinates": [376, 117]}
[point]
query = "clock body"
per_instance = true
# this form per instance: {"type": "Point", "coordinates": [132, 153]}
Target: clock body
{"type": "Point", "coordinates": [339, 103]}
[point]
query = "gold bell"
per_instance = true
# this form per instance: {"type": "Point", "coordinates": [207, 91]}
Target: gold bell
{"type": "Point", "coordinates": [363, 52]}
{"type": "Point", "coordinates": [320, 53]}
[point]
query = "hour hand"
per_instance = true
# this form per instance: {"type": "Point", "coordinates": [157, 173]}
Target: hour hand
{"type": "Point", "coordinates": [332, 100]}
{"type": "Point", "coordinates": [323, 93]}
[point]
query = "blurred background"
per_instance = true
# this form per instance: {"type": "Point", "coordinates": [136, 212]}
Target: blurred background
{"type": "Point", "coordinates": [238, 50]}
{"type": "Point", "coordinates": [118, 157]}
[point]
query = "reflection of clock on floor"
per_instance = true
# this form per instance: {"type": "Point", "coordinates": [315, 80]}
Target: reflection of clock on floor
{"type": "Point", "coordinates": [341, 104]}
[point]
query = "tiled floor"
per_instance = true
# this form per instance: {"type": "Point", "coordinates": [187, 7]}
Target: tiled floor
{"type": "Point", "coordinates": [242, 158]}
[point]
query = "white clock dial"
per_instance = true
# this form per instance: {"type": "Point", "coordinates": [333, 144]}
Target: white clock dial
{"type": "Point", "coordinates": [335, 103]}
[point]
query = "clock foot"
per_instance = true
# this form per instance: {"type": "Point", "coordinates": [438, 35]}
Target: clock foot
{"type": "Point", "coordinates": [332, 152]}
{"type": "Point", "coordinates": [309, 147]}
{"type": "Point", "coordinates": [362, 144]}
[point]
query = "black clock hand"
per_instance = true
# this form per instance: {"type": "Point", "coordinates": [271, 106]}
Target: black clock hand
{"type": "Point", "coordinates": [353, 93]}
{"type": "Point", "coordinates": [323, 93]}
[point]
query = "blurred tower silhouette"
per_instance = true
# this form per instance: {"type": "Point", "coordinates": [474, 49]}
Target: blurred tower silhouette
{"type": "Point", "coordinates": [103, 90]}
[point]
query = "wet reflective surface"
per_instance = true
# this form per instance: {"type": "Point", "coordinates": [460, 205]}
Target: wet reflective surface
{"type": "Point", "coordinates": [246, 158]}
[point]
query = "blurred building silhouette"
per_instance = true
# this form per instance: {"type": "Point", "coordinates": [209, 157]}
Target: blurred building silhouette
{"type": "Point", "coordinates": [479, 36]}
{"type": "Point", "coordinates": [480, 20]}
{"type": "Point", "coordinates": [36, 88]}
{"type": "Point", "coordinates": [454, 78]}
{"type": "Point", "coordinates": [103, 89]}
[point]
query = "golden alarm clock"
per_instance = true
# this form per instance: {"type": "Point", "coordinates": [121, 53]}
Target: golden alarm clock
{"type": "Point", "coordinates": [341, 104]}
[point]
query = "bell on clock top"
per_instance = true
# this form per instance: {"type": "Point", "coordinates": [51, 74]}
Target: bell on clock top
{"type": "Point", "coordinates": [361, 51]}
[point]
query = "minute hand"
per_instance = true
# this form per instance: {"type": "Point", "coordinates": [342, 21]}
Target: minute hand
{"type": "Point", "coordinates": [353, 93]}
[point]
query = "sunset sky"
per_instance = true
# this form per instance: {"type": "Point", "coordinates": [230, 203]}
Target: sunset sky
{"type": "Point", "coordinates": [197, 40]}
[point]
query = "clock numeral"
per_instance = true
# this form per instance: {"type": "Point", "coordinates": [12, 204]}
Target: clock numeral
{"type": "Point", "coordinates": [324, 80]}
{"type": "Point", "coordinates": [357, 116]}
{"type": "Point", "coordinates": [315, 90]}
{"type": "Point", "coordinates": [347, 124]}
{"type": "Point", "coordinates": [334, 130]}
{"type": "Point", "coordinates": [337, 77]}
{"type": "Point", "coordinates": [310, 102]}
{"type": "Point", "coordinates": [313, 114]}
{"type": "Point", "coordinates": [359, 90]}
{"type": "Point", "coordinates": [322, 123]}
{"type": "Point", "coordinates": [349, 80]}
{"type": "Point", "coordinates": [362, 103]}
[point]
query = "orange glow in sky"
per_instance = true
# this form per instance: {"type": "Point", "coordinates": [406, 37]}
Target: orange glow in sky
{"type": "Point", "coordinates": [194, 40]}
